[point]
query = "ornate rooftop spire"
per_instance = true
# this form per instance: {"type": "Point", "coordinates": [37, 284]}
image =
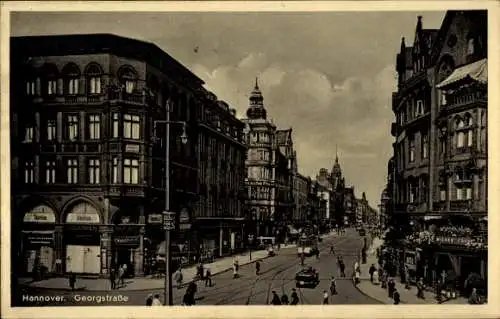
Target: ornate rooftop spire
{"type": "Point", "coordinates": [256, 109]}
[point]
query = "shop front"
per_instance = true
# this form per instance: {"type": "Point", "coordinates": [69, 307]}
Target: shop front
{"type": "Point", "coordinates": [126, 242]}
{"type": "Point", "coordinates": [38, 240]}
{"type": "Point", "coordinates": [82, 240]}
{"type": "Point", "coordinates": [154, 236]}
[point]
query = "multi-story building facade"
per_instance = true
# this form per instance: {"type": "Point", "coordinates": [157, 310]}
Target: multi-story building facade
{"type": "Point", "coordinates": [350, 206]}
{"type": "Point", "coordinates": [302, 187]}
{"type": "Point", "coordinates": [88, 177]}
{"type": "Point", "coordinates": [269, 165]}
{"type": "Point", "coordinates": [440, 153]}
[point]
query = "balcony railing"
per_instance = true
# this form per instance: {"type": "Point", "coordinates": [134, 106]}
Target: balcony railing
{"type": "Point", "coordinates": [466, 98]}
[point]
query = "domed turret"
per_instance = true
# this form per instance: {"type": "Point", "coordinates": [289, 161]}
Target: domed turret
{"type": "Point", "coordinates": [256, 109]}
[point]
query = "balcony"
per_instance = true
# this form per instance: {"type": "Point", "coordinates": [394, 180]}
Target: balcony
{"type": "Point", "coordinates": [464, 99]}
{"type": "Point", "coordinates": [128, 98]}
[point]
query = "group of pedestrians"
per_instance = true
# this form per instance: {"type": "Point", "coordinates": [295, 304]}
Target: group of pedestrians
{"type": "Point", "coordinates": [117, 277]}
{"type": "Point", "coordinates": [283, 300]}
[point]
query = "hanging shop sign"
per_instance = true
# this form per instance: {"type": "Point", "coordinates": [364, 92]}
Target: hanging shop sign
{"type": "Point", "coordinates": [155, 219]}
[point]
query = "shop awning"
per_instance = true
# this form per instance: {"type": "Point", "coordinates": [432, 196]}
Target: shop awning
{"type": "Point", "coordinates": [477, 71]}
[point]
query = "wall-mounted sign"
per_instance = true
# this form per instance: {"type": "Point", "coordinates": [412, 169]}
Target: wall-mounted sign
{"type": "Point", "coordinates": [132, 148]}
{"type": "Point", "coordinates": [155, 219]}
{"type": "Point", "coordinates": [40, 214]}
{"type": "Point", "coordinates": [45, 238]}
{"type": "Point", "coordinates": [83, 214]}
{"type": "Point", "coordinates": [127, 241]}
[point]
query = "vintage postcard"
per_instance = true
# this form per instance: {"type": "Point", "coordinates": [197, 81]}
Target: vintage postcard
{"type": "Point", "coordinates": [297, 160]}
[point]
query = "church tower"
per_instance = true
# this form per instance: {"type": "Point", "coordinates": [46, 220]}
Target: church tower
{"type": "Point", "coordinates": [256, 109]}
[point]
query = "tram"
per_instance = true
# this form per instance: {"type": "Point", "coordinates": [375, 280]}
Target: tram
{"type": "Point", "coordinates": [307, 245]}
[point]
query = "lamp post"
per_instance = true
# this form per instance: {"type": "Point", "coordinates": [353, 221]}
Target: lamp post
{"type": "Point", "coordinates": [170, 225]}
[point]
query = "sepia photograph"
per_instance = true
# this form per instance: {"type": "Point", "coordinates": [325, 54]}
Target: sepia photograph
{"type": "Point", "coordinates": [246, 158]}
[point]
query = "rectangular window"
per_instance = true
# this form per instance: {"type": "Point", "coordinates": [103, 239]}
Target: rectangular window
{"type": "Point", "coordinates": [114, 178]}
{"type": "Point", "coordinates": [28, 134]}
{"type": "Point", "coordinates": [469, 137]}
{"type": "Point", "coordinates": [95, 85]}
{"type": "Point", "coordinates": [443, 99]}
{"type": "Point", "coordinates": [51, 87]}
{"type": "Point", "coordinates": [460, 139]}
{"type": "Point", "coordinates": [131, 126]}
{"type": "Point", "coordinates": [72, 127]}
{"type": "Point", "coordinates": [116, 124]}
{"type": "Point", "coordinates": [94, 171]}
{"type": "Point", "coordinates": [460, 193]}
{"type": "Point", "coordinates": [73, 86]}
{"type": "Point", "coordinates": [30, 87]}
{"type": "Point", "coordinates": [72, 171]}
{"type": "Point", "coordinates": [131, 171]}
{"type": "Point", "coordinates": [412, 149]}
{"type": "Point", "coordinates": [51, 130]}
{"type": "Point", "coordinates": [29, 172]}
{"type": "Point", "coordinates": [94, 127]}
{"type": "Point", "coordinates": [50, 172]}
{"type": "Point", "coordinates": [468, 193]}
{"type": "Point", "coordinates": [420, 108]}
{"type": "Point", "coordinates": [442, 194]}
{"type": "Point", "coordinates": [425, 146]}
{"type": "Point", "coordinates": [129, 86]}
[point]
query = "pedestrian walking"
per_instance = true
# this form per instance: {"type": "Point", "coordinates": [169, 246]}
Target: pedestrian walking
{"type": "Point", "coordinates": [342, 268]}
{"type": "Point", "coordinates": [325, 297]}
{"type": "Point", "coordinates": [474, 297]}
{"type": "Point", "coordinates": [112, 279]}
{"type": "Point", "coordinates": [178, 277]}
{"type": "Point", "coordinates": [391, 287]}
{"type": "Point", "coordinates": [284, 299]}
{"type": "Point", "coordinates": [332, 251]}
{"type": "Point", "coordinates": [208, 278]}
{"type": "Point", "coordinates": [276, 299]}
{"type": "Point", "coordinates": [235, 271]}
{"type": "Point", "coordinates": [295, 297]}
{"type": "Point", "coordinates": [199, 270]}
{"type": "Point", "coordinates": [372, 271]}
{"type": "Point", "coordinates": [257, 267]}
{"type": "Point", "coordinates": [333, 286]}
{"type": "Point", "coordinates": [420, 289]}
{"type": "Point", "coordinates": [156, 300]}
{"type": "Point", "coordinates": [72, 281]}
{"type": "Point", "coordinates": [149, 300]}
{"type": "Point", "coordinates": [376, 277]}
{"type": "Point", "coordinates": [396, 297]}
{"type": "Point", "coordinates": [121, 275]}
{"type": "Point", "coordinates": [357, 276]}
{"type": "Point", "coordinates": [317, 253]}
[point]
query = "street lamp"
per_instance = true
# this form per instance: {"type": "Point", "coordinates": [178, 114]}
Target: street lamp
{"type": "Point", "coordinates": [168, 278]}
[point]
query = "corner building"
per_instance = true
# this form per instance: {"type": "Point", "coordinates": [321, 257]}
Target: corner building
{"type": "Point", "coordinates": [440, 153]}
{"type": "Point", "coordinates": [88, 164]}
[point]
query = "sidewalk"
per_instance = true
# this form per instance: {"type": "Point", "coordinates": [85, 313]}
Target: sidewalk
{"type": "Point", "coordinates": [381, 295]}
{"type": "Point", "coordinates": [146, 283]}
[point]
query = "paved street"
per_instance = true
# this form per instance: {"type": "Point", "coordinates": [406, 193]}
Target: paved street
{"type": "Point", "coordinates": [277, 273]}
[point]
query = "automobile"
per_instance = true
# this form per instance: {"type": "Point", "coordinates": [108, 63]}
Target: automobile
{"type": "Point", "coordinates": [307, 277]}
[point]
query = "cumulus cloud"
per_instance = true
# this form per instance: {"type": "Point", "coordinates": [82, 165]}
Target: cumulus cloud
{"type": "Point", "coordinates": [353, 116]}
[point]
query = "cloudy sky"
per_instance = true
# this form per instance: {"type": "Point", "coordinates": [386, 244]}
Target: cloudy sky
{"type": "Point", "coordinates": [328, 75]}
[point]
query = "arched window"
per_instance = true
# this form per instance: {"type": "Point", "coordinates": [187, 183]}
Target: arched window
{"type": "Point", "coordinates": [128, 78]}
{"type": "Point", "coordinates": [93, 74]}
{"type": "Point", "coordinates": [71, 74]}
{"type": "Point", "coordinates": [471, 43]}
{"type": "Point", "coordinates": [460, 133]}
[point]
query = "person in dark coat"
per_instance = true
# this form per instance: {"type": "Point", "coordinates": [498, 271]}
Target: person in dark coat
{"type": "Point", "coordinates": [371, 271]}
{"type": "Point", "coordinates": [112, 279]}
{"type": "Point", "coordinates": [284, 299]}
{"type": "Point", "coordinates": [391, 285]}
{"type": "Point", "coordinates": [295, 297]}
{"type": "Point", "coordinates": [208, 278]}
{"type": "Point", "coordinates": [396, 297]}
{"type": "Point", "coordinates": [72, 281]}
{"type": "Point", "coordinates": [149, 300]}
{"type": "Point", "coordinates": [276, 299]}
{"type": "Point", "coordinates": [257, 268]}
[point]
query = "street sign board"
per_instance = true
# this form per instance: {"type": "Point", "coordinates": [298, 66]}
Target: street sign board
{"type": "Point", "coordinates": [168, 220]}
